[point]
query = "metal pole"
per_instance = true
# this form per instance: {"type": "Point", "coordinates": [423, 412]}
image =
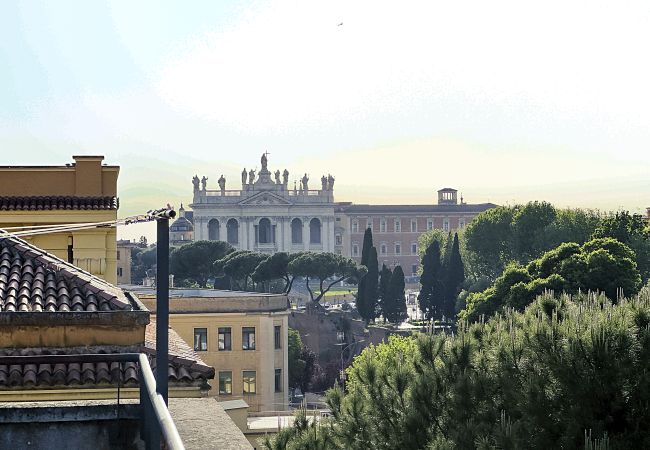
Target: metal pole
{"type": "Point", "coordinates": [162, 308]}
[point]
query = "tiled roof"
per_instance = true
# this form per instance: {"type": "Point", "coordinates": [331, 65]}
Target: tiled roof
{"type": "Point", "coordinates": [47, 376]}
{"type": "Point", "coordinates": [185, 366]}
{"type": "Point", "coordinates": [414, 209]}
{"type": "Point", "coordinates": [32, 280]}
{"type": "Point", "coordinates": [57, 203]}
{"type": "Point", "coordinates": [181, 224]}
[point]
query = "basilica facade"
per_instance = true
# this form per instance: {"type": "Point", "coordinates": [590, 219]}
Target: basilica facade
{"type": "Point", "coordinates": [267, 215]}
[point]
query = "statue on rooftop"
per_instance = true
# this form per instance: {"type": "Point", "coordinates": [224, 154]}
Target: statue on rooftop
{"type": "Point", "coordinates": [204, 182]}
{"type": "Point", "coordinates": [195, 182]}
{"type": "Point", "coordinates": [277, 177]}
{"type": "Point", "coordinates": [330, 182]}
{"type": "Point", "coordinates": [305, 180]}
{"type": "Point", "coordinates": [323, 181]}
{"type": "Point", "coordinates": [251, 176]}
{"type": "Point", "coordinates": [222, 183]}
{"type": "Point", "coordinates": [285, 177]}
{"type": "Point", "coordinates": [243, 176]}
{"type": "Point", "coordinates": [264, 161]}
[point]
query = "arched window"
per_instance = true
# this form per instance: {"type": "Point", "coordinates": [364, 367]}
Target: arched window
{"type": "Point", "coordinates": [232, 231]}
{"type": "Point", "coordinates": [314, 231]}
{"type": "Point", "coordinates": [213, 230]}
{"type": "Point", "coordinates": [264, 231]}
{"type": "Point", "coordinates": [296, 231]}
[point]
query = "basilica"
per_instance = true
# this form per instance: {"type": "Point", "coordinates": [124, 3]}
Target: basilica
{"type": "Point", "coordinates": [267, 215]}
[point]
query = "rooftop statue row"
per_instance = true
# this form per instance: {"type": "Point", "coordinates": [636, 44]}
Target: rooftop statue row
{"type": "Point", "coordinates": [263, 178]}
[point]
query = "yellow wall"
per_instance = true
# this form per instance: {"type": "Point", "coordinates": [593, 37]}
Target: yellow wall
{"type": "Point", "coordinates": [94, 250]}
{"type": "Point", "coordinates": [264, 359]}
{"type": "Point", "coordinates": [123, 263]}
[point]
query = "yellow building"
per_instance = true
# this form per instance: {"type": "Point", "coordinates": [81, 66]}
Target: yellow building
{"type": "Point", "coordinates": [81, 192]}
{"type": "Point", "coordinates": [243, 335]}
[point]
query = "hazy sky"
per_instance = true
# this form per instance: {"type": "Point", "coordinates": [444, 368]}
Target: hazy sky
{"type": "Point", "coordinates": [507, 101]}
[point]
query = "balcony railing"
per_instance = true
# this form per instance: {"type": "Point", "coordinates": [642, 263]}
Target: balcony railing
{"type": "Point", "coordinates": [156, 422]}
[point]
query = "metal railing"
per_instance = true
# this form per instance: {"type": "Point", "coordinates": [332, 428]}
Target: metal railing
{"type": "Point", "coordinates": [156, 422]}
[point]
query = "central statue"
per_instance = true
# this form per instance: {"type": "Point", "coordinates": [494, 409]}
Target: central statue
{"type": "Point", "coordinates": [264, 161]}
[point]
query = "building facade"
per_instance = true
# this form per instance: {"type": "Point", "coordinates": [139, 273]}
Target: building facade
{"type": "Point", "coordinates": [265, 215]}
{"type": "Point", "coordinates": [81, 192]}
{"type": "Point", "coordinates": [243, 335]}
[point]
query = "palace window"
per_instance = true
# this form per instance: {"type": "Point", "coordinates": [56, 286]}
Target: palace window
{"type": "Point", "coordinates": [277, 336]}
{"type": "Point", "coordinates": [414, 249]}
{"type": "Point", "coordinates": [398, 249]}
{"type": "Point", "coordinates": [414, 269]}
{"type": "Point", "coordinates": [213, 230]}
{"type": "Point", "coordinates": [414, 226]}
{"type": "Point", "coordinates": [355, 226]}
{"type": "Point", "coordinates": [225, 383]}
{"type": "Point", "coordinates": [369, 224]}
{"type": "Point", "coordinates": [383, 249]}
{"type": "Point", "coordinates": [382, 226]}
{"type": "Point", "coordinates": [461, 223]}
{"type": "Point", "coordinates": [296, 231]}
{"type": "Point", "coordinates": [264, 232]}
{"type": "Point", "coordinates": [355, 250]}
{"type": "Point", "coordinates": [249, 378]}
{"type": "Point", "coordinates": [398, 226]}
{"type": "Point", "coordinates": [445, 225]}
{"type": "Point", "coordinates": [429, 224]}
{"type": "Point", "coordinates": [339, 239]}
{"type": "Point", "coordinates": [232, 231]}
{"type": "Point", "coordinates": [314, 231]}
{"type": "Point", "coordinates": [201, 339]}
{"type": "Point", "coordinates": [278, 380]}
{"type": "Point", "coordinates": [248, 338]}
{"type": "Point", "coordinates": [225, 339]}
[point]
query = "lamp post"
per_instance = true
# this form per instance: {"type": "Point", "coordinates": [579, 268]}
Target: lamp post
{"type": "Point", "coordinates": [342, 374]}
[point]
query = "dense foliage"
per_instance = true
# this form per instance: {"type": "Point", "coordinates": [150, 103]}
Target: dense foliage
{"type": "Point", "coordinates": [302, 362]}
{"type": "Point", "coordinates": [367, 293]}
{"type": "Point", "coordinates": [194, 262]}
{"type": "Point", "coordinates": [564, 373]}
{"type": "Point", "coordinates": [603, 265]}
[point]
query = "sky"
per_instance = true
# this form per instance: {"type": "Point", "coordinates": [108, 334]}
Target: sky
{"type": "Point", "coordinates": [506, 101]}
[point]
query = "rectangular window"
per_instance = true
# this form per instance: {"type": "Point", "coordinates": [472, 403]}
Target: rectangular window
{"type": "Point", "coordinates": [355, 250]}
{"type": "Point", "coordinates": [201, 339]}
{"type": "Point", "coordinates": [248, 338]}
{"type": "Point", "coordinates": [277, 335]}
{"type": "Point", "coordinates": [339, 239]}
{"type": "Point", "coordinates": [429, 224]}
{"type": "Point", "coordinates": [461, 223]}
{"type": "Point", "coordinates": [398, 249]}
{"type": "Point", "coordinates": [250, 380]}
{"type": "Point", "coordinates": [119, 271]}
{"type": "Point", "coordinates": [382, 226]}
{"type": "Point", "coordinates": [118, 255]}
{"type": "Point", "coordinates": [225, 383]}
{"type": "Point", "coordinates": [225, 339]}
{"type": "Point", "coordinates": [414, 249]}
{"type": "Point", "coordinates": [398, 226]}
{"type": "Point", "coordinates": [414, 269]}
{"type": "Point", "coordinates": [355, 226]}
{"type": "Point", "coordinates": [369, 224]}
{"type": "Point", "coordinates": [414, 226]}
{"type": "Point", "coordinates": [278, 380]}
{"type": "Point", "coordinates": [445, 225]}
{"type": "Point", "coordinates": [383, 249]}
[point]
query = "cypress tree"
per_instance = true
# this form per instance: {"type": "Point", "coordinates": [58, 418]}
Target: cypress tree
{"type": "Point", "coordinates": [361, 287]}
{"type": "Point", "coordinates": [397, 310]}
{"type": "Point", "coordinates": [447, 252]}
{"type": "Point", "coordinates": [431, 297]}
{"type": "Point", "coordinates": [455, 275]}
{"type": "Point", "coordinates": [384, 283]}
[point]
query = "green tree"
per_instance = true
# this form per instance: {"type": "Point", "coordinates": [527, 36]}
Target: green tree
{"type": "Point", "coordinates": [529, 225]}
{"type": "Point", "coordinates": [384, 283]}
{"type": "Point", "coordinates": [328, 268]}
{"type": "Point", "coordinates": [431, 294]}
{"type": "Point", "coordinates": [276, 268]}
{"type": "Point", "coordinates": [195, 261]}
{"type": "Point", "coordinates": [368, 307]}
{"type": "Point", "coordinates": [302, 362]}
{"type": "Point", "coordinates": [600, 265]}
{"type": "Point", "coordinates": [489, 238]}
{"type": "Point", "coordinates": [239, 266]}
{"type": "Point", "coordinates": [363, 297]}
{"type": "Point", "coordinates": [396, 306]}
{"type": "Point", "coordinates": [454, 275]}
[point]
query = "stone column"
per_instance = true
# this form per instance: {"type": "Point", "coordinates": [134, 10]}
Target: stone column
{"type": "Point", "coordinates": [251, 234]}
{"type": "Point", "coordinates": [286, 232]}
{"type": "Point", "coordinates": [324, 234]}
{"type": "Point", "coordinates": [305, 232]}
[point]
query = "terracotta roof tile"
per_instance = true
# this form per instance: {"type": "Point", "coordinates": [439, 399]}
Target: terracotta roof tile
{"type": "Point", "coordinates": [32, 280]}
{"type": "Point", "coordinates": [20, 203]}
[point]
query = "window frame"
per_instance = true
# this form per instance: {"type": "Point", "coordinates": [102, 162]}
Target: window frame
{"type": "Point", "coordinates": [277, 337]}
{"type": "Point", "coordinates": [277, 378]}
{"type": "Point", "coordinates": [223, 392]}
{"type": "Point", "coordinates": [226, 348]}
{"type": "Point", "coordinates": [245, 338]}
{"type": "Point", "coordinates": [197, 348]}
{"type": "Point", "coordinates": [248, 383]}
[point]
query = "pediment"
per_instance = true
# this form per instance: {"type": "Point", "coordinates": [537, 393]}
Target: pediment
{"type": "Point", "coordinates": [265, 198]}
